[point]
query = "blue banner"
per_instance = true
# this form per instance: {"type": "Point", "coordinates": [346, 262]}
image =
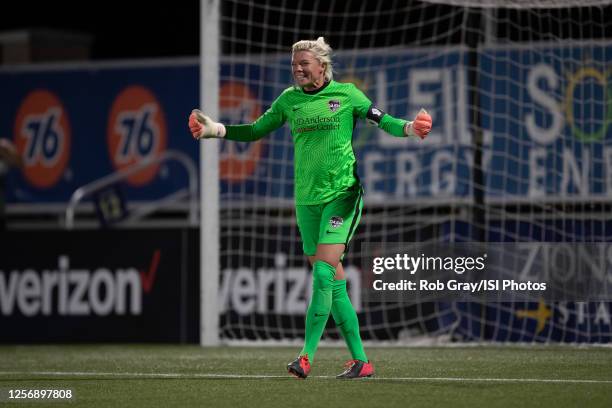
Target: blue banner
{"type": "Point", "coordinates": [548, 112]}
{"type": "Point", "coordinates": [546, 115]}
{"type": "Point", "coordinates": [75, 125]}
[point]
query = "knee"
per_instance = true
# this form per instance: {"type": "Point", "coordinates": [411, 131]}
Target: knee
{"type": "Point", "coordinates": [323, 273]}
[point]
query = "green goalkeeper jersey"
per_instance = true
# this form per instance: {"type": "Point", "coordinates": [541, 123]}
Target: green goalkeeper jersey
{"type": "Point", "coordinates": [322, 123]}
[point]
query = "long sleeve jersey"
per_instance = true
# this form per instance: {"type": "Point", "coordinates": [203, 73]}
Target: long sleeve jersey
{"type": "Point", "coordinates": [322, 123]}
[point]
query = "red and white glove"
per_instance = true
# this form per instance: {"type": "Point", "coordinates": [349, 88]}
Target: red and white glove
{"type": "Point", "coordinates": [203, 127]}
{"type": "Point", "coordinates": [421, 126]}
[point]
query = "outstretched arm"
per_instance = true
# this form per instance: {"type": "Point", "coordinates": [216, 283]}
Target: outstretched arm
{"type": "Point", "coordinates": [203, 127]}
{"type": "Point", "coordinates": [363, 107]}
{"type": "Point", "coordinates": [420, 126]}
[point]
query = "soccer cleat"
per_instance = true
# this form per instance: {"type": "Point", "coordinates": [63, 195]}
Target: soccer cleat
{"type": "Point", "coordinates": [300, 367]}
{"type": "Point", "coordinates": [356, 369]}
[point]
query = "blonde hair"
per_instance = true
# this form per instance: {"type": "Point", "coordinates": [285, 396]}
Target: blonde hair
{"type": "Point", "coordinates": [322, 52]}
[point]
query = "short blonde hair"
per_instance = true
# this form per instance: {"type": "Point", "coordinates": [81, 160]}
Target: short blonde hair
{"type": "Point", "coordinates": [322, 52]}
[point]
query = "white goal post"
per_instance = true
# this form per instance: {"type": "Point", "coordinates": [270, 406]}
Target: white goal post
{"type": "Point", "coordinates": [209, 175]}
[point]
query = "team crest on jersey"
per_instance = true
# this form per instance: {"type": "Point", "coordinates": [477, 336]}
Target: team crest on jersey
{"type": "Point", "coordinates": [334, 105]}
{"type": "Point", "coordinates": [335, 221]}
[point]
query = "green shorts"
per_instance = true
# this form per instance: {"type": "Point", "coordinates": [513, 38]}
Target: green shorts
{"type": "Point", "coordinates": [334, 222]}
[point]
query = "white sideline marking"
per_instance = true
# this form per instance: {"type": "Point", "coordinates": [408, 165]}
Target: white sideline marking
{"type": "Point", "coordinates": [258, 377]}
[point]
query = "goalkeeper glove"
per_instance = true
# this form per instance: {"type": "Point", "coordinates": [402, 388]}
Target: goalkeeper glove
{"type": "Point", "coordinates": [420, 126]}
{"type": "Point", "coordinates": [203, 127]}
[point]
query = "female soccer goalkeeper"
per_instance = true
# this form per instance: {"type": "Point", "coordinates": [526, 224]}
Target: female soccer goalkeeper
{"type": "Point", "coordinates": [328, 194]}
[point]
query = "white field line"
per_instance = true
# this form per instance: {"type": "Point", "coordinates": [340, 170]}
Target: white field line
{"type": "Point", "coordinates": [127, 375]}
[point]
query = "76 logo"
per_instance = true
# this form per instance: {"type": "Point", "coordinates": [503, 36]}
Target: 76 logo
{"type": "Point", "coordinates": [45, 138]}
{"type": "Point", "coordinates": [138, 134]}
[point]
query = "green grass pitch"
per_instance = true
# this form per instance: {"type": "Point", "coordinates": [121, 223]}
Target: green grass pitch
{"type": "Point", "coordinates": [185, 376]}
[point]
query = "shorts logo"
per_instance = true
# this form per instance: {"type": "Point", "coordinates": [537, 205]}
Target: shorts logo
{"type": "Point", "coordinates": [335, 221]}
{"type": "Point", "coordinates": [334, 105]}
{"type": "Point", "coordinates": [376, 112]}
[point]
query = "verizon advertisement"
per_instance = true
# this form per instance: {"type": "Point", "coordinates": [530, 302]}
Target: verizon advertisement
{"type": "Point", "coordinates": [99, 285]}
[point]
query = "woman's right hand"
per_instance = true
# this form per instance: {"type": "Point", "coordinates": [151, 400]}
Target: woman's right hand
{"type": "Point", "coordinates": [203, 127]}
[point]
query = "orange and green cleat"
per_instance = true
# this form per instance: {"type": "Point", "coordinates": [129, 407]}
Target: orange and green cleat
{"type": "Point", "coordinates": [356, 369]}
{"type": "Point", "coordinates": [300, 367]}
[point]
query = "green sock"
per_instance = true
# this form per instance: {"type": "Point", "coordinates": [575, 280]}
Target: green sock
{"type": "Point", "coordinates": [346, 320]}
{"type": "Point", "coordinates": [320, 306]}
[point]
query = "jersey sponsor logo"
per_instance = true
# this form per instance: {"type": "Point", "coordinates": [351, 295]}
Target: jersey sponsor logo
{"type": "Point", "coordinates": [334, 105]}
{"type": "Point", "coordinates": [42, 138]}
{"type": "Point", "coordinates": [303, 125]}
{"type": "Point", "coordinates": [136, 131]}
{"type": "Point", "coordinates": [317, 120]}
{"type": "Point", "coordinates": [336, 221]}
{"type": "Point", "coordinates": [238, 161]}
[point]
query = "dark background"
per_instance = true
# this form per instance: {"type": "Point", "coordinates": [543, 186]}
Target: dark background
{"type": "Point", "coordinates": [138, 29]}
{"type": "Point", "coordinates": [120, 29]}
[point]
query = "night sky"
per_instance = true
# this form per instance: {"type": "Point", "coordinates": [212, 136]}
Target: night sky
{"type": "Point", "coordinates": [120, 29]}
{"type": "Point", "coordinates": [139, 29]}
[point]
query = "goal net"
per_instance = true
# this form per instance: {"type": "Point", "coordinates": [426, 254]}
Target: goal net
{"type": "Point", "coordinates": [520, 151]}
